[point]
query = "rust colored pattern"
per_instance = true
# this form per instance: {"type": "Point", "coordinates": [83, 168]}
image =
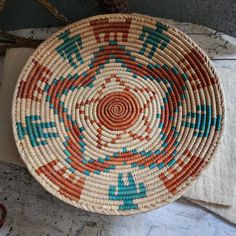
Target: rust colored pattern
{"type": "Point", "coordinates": [191, 168]}
{"type": "Point", "coordinates": [30, 88]}
{"type": "Point", "coordinates": [106, 27]}
{"type": "Point", "coordinates": [68, 186]}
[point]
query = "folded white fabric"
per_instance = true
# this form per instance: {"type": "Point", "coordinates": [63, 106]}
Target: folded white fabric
{"type": "Point", "coordinates": [12, 66]}
{"type": "Point", "coordinates": [227, 212]}
{"type": "Point", "coordinates": [214, 187]}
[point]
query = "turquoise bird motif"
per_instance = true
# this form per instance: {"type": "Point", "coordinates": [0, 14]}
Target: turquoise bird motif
{"type": "Point", "coordinates": [127, 193]}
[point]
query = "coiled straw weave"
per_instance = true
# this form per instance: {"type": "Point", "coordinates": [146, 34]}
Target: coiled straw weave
{"type": "Point", "coordinates": [117, 114]}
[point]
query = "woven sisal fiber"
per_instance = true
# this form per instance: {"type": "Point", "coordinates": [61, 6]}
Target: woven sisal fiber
{"type": "Point", "coordinates": [117, 114]}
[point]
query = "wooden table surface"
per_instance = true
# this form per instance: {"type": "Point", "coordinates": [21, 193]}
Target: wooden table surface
{"type": "Point", "coordinates": [32, 211]}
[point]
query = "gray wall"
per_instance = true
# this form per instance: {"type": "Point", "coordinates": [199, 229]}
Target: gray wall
{"type": "Point", "coordinates": [217, 14]}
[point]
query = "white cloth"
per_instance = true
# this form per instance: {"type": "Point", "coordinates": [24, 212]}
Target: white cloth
{"type": "Point", "coordinates": [227, 212]}
{"type": "Point", "coordinates": [13, 63]}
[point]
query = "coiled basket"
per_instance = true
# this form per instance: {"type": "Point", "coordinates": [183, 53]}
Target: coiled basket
{"type": "Point", "coordinates": [117, 114]}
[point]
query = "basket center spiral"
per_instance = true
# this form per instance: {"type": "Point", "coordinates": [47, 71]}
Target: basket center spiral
{"type": "Point", "coordinates": [118, 110]}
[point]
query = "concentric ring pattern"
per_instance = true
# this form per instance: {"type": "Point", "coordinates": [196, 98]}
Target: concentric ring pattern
{"type": "Point", "coordinates": [117, 114]}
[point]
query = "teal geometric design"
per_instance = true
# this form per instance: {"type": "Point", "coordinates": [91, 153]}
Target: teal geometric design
{"type": "Point", "coordinates": [203, 121]}
{"type": "Point", "coordinates": [127, 193]}
{"type": "Point", "coordinates": [35, 130]}
{"type": "Point", "coordinates": [70, 46]}
{"type": "Point", "coordinates": [155, 38]}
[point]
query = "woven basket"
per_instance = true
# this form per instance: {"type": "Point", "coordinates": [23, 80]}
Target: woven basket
{"type": "Point", "coordinates": [117, 114]}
